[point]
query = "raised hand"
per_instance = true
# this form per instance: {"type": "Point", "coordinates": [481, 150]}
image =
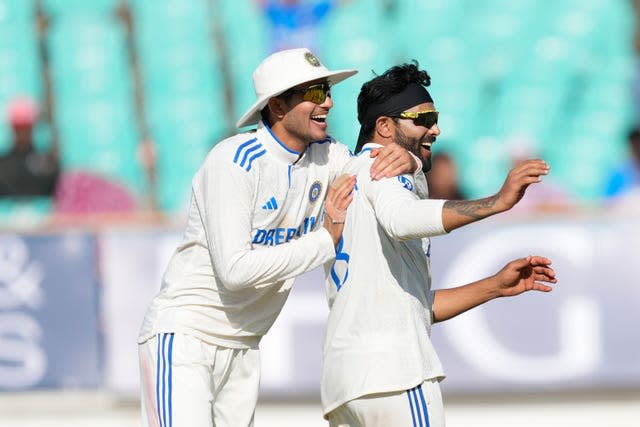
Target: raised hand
{"type": "Point", "coordinates": [525, 274]}
{"type": "Point", "coordinates": [339, 197]}
{"type": "Point", "coordinates": [518, 276]}
{"type": "Point", "coordinates": [519, 178]}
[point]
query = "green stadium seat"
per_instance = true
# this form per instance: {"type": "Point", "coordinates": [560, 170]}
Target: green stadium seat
{"type": "Point", "coordinates": [254, 33]}
{"type": "Point", "coordinates": [564, 81]}
{"type": "Point", "coordinates": [176, 167]}
{"type": "Point", "coordinates": [184, 128]}
{"type": "Point", "coordinates": [179, 132]}
{"type": "Point", "coordinates": [169, 10]}
{"type": "Point", "coordinates": [94, 99]}
{"type": "Point", "coordinates": [64, 8]}
{"type": "Point", "coordinates": [24, 212]}
{"type": "Point", "coordinates": [182, 83]}
{"type": "Point", "coordinates": [420, 20]}
{"type": "Point", "coordinates": [19, 60]}
{"type": "Point", "coordinates": [21, 80]}
{"type": "Point", "coordinates": [174, 191]}
{"type": "Point", "coordinates": [347, 41]}
{"type": "Point", "coordinates": [92, 66]}
{"type": "Point", "coordinates": [580, 170]}
{"type": "Point", "coordinates": [16, 12]}
{"type": "Point", "coordinates": [483, 166]}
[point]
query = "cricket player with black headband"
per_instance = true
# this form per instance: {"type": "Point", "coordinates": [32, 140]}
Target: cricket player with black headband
{"type": "Point", "coordinates": [380, 367]}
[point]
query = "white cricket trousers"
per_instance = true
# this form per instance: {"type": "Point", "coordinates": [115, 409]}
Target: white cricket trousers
{"type": "Point", "coordinates": [420, 406]}
{"type": "Point", "coordinates": [185, 382]}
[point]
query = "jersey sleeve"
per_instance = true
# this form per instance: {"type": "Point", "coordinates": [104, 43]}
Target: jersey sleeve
{"type": "Point", "coordinates": [224, 196]}
{"type": "Point", "coordinates": [339, 155]}
{"type": "Point", "coordinates": [399, 210]}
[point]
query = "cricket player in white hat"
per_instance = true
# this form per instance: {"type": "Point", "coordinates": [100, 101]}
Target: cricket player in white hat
{"type": "Point", "coordinates": [256, 221]}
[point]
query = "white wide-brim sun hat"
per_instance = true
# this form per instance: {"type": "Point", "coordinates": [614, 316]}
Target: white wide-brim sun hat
{"type": "Point", "coordinates": [282, 71]}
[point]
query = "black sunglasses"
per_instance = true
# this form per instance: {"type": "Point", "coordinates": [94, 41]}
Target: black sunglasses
{"type": "Point", "coordinates": [426, 118]}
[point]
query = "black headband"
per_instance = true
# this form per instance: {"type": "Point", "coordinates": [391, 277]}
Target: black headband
{"type": "Point", "coordinates": [414, 94]}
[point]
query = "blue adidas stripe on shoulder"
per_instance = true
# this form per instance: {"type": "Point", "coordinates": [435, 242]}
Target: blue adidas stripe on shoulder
{"type": "Point", "coordinates": [255, 156]}
{"type": "Point", "coordinates": [242, 147]}
{"type": "Point", "coordinates": [246, 153]}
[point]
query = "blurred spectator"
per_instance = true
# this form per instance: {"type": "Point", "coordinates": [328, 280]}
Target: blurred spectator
{"type": "Point", "coordinates": [627, 175]}
{"type": "Point", "coordinates": [83, 193]}
{"type": "Point", "coordinates": [23, 170]}
{"type": "Point", "coordinates": [443, 178]}
{"type": "Point", "coordinates": [295, 23]}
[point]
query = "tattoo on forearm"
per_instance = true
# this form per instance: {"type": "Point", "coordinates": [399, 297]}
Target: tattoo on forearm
{"type": "Point", "coordinates": [476, 209]}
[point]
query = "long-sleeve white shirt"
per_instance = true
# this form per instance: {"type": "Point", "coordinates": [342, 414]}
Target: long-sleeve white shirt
{"type": "Point", "coordinates": [254, 224]}
{"type": "Point", "coordinates": [378, 287]}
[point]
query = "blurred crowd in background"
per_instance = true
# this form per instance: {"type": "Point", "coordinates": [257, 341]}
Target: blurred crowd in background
{"type": "Point", "coordinates": [111, 105]}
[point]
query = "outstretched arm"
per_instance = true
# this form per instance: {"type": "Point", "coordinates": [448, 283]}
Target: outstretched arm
{"type": "Point", "coordinates": [518, 276]}
{"type": "Point", "coordinates": [457, 213]}
{"type": "Point", "coordinates": [405, 216]}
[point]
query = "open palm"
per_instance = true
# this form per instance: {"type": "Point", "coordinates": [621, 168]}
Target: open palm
{"type": "Point", "coordinates": [526, 274]}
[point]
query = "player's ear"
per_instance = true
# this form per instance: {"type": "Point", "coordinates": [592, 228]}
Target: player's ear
{"type": "Point", "coordinates": [385, 127]}
{"type": "Point", "coordinates": [277, 107]}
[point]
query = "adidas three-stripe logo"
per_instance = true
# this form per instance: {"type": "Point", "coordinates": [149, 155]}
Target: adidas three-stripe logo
{"type": "Point", "coordinates": [271, 204]}
{"type": "Point", "coordinates": [247, 152]}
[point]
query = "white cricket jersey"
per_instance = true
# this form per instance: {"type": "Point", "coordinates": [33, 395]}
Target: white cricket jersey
{"type": "Point", "coordinates": [254, 224]}
{"type": "Point", "coordinates": [378, 288]}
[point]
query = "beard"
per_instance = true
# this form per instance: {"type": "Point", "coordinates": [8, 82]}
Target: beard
{"type": "Point", "coordinates": [413, 146]}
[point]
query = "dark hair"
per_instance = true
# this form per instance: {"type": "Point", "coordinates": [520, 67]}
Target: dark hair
{"type": "Point", "coordinates": [264, 113]}
{"type": "Point", "coordinates": [378, 89]}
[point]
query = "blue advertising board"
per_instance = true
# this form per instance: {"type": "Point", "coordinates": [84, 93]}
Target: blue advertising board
{"type": "Point", "coordinates": [49, 312]}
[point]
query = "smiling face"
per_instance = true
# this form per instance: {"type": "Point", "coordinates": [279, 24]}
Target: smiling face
{"type": "Point", "coordinates": [417, 138]}
{"type": "Point", "coordinates": [299, 122]}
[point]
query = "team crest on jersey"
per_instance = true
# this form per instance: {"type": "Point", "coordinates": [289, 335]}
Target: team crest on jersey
{"type": "Point", "coordinates": [315, 191]}
{"type": "Point", "coordinates": [406, 182]}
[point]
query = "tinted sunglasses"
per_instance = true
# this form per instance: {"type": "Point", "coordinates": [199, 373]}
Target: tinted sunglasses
{"type": "Point", "coordinates": [426, 118]}
{"type": "Point", "coordinates": [315, 93]}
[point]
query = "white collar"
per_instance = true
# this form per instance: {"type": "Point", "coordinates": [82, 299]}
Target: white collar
{"type": "Point", "coordinates": [369, 146]}
{"type": "Point", "coordinates": [275, 147]}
